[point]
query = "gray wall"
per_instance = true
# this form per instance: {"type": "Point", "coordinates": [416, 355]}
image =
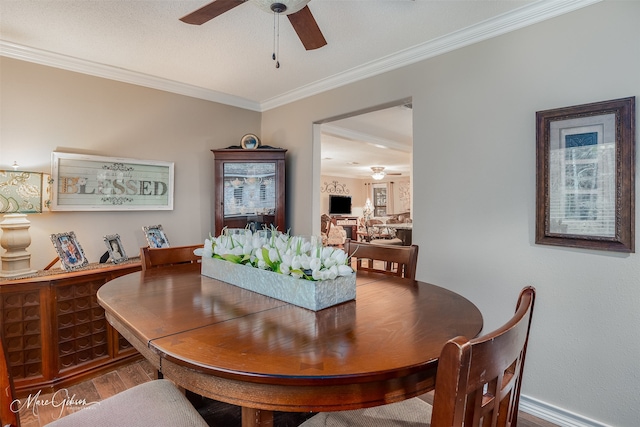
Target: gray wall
{"type": "Point", "coordinates": [45, 109]}
{"type": "Point", "coordinates": [474, 194]}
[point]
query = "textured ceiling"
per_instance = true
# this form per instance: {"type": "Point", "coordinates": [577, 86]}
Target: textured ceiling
{"type": "Point", "coordinates": [229, 58]}
{"type": "Point", "coordinates": [351, 146]}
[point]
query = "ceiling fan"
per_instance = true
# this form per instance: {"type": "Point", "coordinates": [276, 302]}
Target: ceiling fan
{"type": "Point", "coordinates": [297, 11]}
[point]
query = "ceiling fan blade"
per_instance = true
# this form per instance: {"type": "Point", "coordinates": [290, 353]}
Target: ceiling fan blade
{"type": "Point", "coordinates": [307, 28]}
{"type": "Point", "coordinates": [210, 11]}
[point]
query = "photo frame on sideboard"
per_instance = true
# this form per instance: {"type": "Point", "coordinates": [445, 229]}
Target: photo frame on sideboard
{"type": "Point", "coordinates": [155, 236]}
{"type": "Point", "coordinates": [69, 251]}
{"type": "Point", "coordinates": [585, 176]}
{"type": "Point", "coordinates": [115, 248]}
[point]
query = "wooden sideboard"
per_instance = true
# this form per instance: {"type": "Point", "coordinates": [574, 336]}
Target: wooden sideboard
{"type": "Point", "coordinates": [56, 332]}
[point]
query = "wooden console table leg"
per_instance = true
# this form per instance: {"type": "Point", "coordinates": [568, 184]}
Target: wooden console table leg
{"type": "Point", "coordinates": [256, 417]}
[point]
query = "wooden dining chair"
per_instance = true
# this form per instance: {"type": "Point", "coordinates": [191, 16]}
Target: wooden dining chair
{"type": "Point", "coordinates": [154, 403]}
{"type": "Point", "coordinates": [393, 260]}
{"type": "Point", "coordinates": [162, 257]}
{"type": "Point", "coordinates": [158, 257]}
{"type": "Point", "coordinates": [477, 383]}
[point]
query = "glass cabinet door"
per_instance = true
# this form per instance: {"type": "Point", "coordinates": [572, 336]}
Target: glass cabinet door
{"type": "Point", "coordinates": [249, 189]}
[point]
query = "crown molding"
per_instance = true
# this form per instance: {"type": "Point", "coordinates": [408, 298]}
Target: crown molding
{"type": "Point", "coordinates": [519, 18]}
{"type": "Point", "coordinates": [51, 59]}
{"type": "Point", "coordinates": [511, 21]}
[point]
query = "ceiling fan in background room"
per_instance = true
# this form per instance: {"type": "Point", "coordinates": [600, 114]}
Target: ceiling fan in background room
{"type": "Point", "coordinates": [378, 173]}
{"type": "Point", "coordinates": [297, 11]}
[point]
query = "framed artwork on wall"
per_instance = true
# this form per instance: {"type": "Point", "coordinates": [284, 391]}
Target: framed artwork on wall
{"type": "Point", "coordinates": [585, 176]}
{"type": "Point", "coordinates": [69, 250]}
{"type": "Point", "coordinates": [155, 236]}
{"type": "Point", "coordinates": [115, 248]}
{"type": "Point", "coordinates": [96, 183]}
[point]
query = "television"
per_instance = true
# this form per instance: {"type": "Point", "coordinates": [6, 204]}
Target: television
{"type": "Point", "coordinates": [339, 205]}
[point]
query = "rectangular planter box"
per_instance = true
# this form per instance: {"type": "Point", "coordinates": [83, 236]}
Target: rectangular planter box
{"type": "Point", "coordinates": [303, 293]}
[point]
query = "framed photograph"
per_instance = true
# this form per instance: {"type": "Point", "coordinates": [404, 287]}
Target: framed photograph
{"type": "Point", "coordinates": [155, 236]}
{"type": "Point", "coordinates": [250, 142]}
{"type": "Point", "coordinates": [115, 248]}
{"type": "Point", "coordinates": [69, 250]}
{"type": "Point", "coordinates": [95, 183]}
{"type": "Point", "coordinates": [585, 176]}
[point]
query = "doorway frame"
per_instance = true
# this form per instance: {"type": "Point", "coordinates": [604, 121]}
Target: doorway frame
{"type": "Point", "coordinates": [316, 148]}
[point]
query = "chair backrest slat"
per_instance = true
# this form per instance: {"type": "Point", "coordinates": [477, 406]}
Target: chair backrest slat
{"type": "Point", "coordinates": [478, 381]}
{"type": "Point", "coordinates": [395, 260]}
{"type": "Point", "coordinates": [159, 257]}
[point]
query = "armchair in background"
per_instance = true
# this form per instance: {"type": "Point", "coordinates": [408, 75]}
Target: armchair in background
{"type": "Point", "coordinates": [332, 234]}
{"type": "Point", "coordinates": [337, 234]}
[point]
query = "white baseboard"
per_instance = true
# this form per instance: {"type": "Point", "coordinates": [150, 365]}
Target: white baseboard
{"type": "Point", "coordinates": [556, 415]}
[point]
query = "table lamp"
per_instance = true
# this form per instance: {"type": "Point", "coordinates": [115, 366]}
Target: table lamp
{"type": "Point", "coordinates": [20, 194]}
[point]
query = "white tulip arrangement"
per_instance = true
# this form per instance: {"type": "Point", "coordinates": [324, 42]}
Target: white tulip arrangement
{"type": "Point", "coordinates": [300, 257]}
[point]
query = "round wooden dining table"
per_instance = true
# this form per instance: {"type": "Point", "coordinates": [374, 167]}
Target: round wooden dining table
{"type": "Point", "coordinates": [263, 354]}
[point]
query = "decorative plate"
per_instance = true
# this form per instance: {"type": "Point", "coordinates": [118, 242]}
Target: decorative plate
{"type": "Point", "coordinates": [250, 142]}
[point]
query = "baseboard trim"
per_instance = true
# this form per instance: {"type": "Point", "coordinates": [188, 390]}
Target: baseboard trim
{"type": "Point", "coordinates": [556, 415]}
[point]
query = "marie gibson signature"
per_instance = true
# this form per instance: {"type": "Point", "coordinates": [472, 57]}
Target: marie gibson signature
{"type": "Point", "coordinates": [60, 399]}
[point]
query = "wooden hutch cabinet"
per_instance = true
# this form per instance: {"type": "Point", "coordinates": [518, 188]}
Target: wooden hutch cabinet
{"type": "Point", "coordinates": [249, 188]}
{"type": "Point", "coordinates": [55, 331]}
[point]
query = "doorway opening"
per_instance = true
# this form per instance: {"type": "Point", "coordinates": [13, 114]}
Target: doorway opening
{"type": "Point", "coordinates": [350, 149]}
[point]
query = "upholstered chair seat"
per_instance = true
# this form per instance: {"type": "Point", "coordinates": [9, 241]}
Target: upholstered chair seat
{"type": "Point", "coordinates": [413, 412]}
{"type": "Point", "coordinates": [151, 404]}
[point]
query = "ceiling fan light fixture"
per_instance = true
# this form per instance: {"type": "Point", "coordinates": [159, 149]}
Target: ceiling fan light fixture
{"type": "Point", "coordinates": [281, 7]}
{"type": "Point", "coordinates": [297, 12]}
{"type": "Point", "coordinates": [286, 7]}
{"type": "Point", "coordinates": [278, 8]}
{"type": "Point", "coordinates": [378, 172]}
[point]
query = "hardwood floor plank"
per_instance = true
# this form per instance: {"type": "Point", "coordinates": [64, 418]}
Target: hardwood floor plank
{"type": "Point", "coordinates": [28, 418]}
{"type": "Point", "coordinates": [134, 374]}
{"type": "Point", "coordinates": [109, 384]}
{"type": "Point", "coordinates": [148, 368]}
{"type": "Point", "coordinates": [85, 391]}
{"type": "Point", "coordinates": [48, 412]}
{"type": "Point", "coordinates": [34, 422]}
{"type": "Point", "coordinates": [528, 420]}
